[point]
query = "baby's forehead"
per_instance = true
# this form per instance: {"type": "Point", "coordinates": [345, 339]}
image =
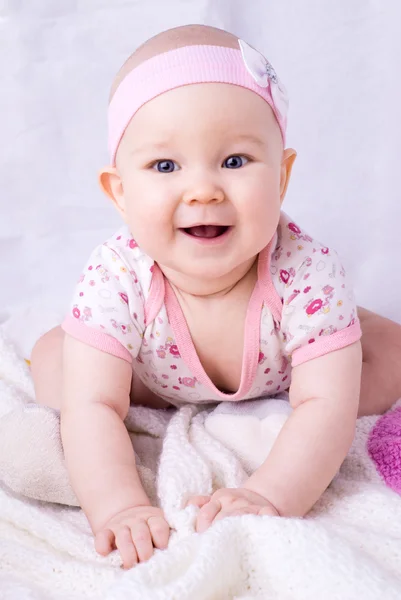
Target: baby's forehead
{"type": "Point", "coordinates": [208, 115]}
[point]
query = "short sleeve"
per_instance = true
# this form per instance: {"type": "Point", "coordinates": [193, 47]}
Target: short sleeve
{"type": "Point", "coordinates": [107, 310]}
{"type": "Point", "coordinates": [319, 311]}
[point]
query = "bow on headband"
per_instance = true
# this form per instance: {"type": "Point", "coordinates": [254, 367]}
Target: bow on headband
{"type": "Point", "coordinates": [264, 75]}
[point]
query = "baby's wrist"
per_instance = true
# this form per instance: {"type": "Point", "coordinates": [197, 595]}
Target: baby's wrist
{"type": "Point", "coordinates": [259, 486]}
{"type": "Point", "coordinates": [254, 484]}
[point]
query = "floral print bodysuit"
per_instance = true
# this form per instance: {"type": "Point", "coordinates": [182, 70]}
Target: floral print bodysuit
{"type": "Point", "coordinates": [302, 307]}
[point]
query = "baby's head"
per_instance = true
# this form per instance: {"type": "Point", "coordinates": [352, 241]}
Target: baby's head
{"type": "Point", "coordinates": [198, 166]}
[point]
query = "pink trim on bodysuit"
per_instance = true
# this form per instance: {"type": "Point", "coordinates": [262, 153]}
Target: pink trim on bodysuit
{"type": "Point", "coordinates": [156, 295]}
{"type": "Point", "coordinates": [270, 295]}
{"type": "Point", "coordinates": [96, 339]}
{"type": "Point", "coordinates": [250, 357]}
{"type": "Point", "coordinates": [326, 344]}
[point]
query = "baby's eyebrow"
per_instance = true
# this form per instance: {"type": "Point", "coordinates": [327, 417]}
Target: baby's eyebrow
{"type": "Point", "coordinates": [155, 146]}
{"type": "Point", "coordinates": [248, 137]}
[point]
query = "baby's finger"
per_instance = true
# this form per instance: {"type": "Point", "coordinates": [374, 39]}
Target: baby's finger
{"type": "Point", "coordinates": [198, 501]}
{"type": "Point", "coordinates": [104, 542]}
{"type": "Point", "coordinates": [268, 511]}
{"type": "Point", "coordinates": [207, 514]}
{"type": "Point", "coordinates": [126, 547]}
{"type": "Point", "coordinates": [142, 539]}
{"type": "Point", "coordinates": [238, 512]}
{"type": "Point", "coordinates": [160, 532]}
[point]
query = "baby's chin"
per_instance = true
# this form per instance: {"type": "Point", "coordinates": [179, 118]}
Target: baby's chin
{"type": "Point", "coordinates": [204, 277]}
{"type": "Point", "coordinates": [197, 269]}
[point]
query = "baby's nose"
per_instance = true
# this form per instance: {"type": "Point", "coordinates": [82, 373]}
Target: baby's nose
{"type": "Point", "coordinates": [204, 193]}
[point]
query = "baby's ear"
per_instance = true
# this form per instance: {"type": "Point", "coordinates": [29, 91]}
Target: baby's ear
{"type": "Point", "coordinates": [289, 156]}
{"type": "Point", "coordinates": [111, 184]}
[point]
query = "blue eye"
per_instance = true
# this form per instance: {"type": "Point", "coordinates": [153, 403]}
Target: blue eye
{"type": "Point", "coordinates": [165, 166]}
{"type": "Point", "coordinates": [235, 162]}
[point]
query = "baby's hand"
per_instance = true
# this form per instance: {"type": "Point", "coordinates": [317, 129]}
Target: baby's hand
{"type": "Point", "coordinates": [134, 532]}
{"type": "Point", "coordinates": [230, 502]}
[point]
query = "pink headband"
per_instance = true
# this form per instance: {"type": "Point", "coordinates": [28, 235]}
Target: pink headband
{"type": "Point", "coordinates": [245, 67]}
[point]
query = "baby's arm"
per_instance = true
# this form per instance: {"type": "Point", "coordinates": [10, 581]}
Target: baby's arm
{"type": "Point", "coordinates": [317, 436]}
{"type": "Point", "coordinates": [99, 453]}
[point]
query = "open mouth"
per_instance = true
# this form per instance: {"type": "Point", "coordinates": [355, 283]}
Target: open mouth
{"type": "Point", "coordinates": [206, 231]}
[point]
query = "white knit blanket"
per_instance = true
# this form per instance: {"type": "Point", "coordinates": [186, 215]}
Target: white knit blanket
{"type": "Point", "coordinates": [348, 548]}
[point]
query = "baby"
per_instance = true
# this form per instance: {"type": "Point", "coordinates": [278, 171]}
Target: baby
{"type": "Point", "coordinates": [208, 293]}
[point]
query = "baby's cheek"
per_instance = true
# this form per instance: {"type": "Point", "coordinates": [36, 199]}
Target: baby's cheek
{"type": "Point", "coordinates": [143, 209]}
{"type": "Point", "coordinates": [151, 226]}
{"type": "Point", "coordinates": [263, 217]}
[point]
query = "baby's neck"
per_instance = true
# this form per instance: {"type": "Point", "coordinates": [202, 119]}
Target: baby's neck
{"type": "Point", "coordinates": [213, 288]}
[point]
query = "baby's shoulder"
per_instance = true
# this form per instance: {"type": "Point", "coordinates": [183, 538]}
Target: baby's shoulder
{"type": "Point", "coordinates": [119, 261]}
{"type": "Point", "coordinates": [120, 254]}
{"type": "Point", "coordinates": [294, 244]}
{"type": "Point", "coordinates": [296, 251]}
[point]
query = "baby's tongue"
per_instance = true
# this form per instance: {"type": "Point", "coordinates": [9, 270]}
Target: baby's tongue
{"type": "Point", "coordinates": [205, 231]}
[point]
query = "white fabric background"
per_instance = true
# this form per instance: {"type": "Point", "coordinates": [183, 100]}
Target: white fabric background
{"type": "Point", "coordinates": [339, 60]}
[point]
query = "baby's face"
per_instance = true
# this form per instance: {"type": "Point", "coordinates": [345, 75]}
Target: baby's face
{"type": "Point", "coordinates": [201, 178]}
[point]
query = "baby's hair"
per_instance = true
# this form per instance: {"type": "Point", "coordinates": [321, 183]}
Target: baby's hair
{"type": "Point", "coordinates": [187, 35]}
